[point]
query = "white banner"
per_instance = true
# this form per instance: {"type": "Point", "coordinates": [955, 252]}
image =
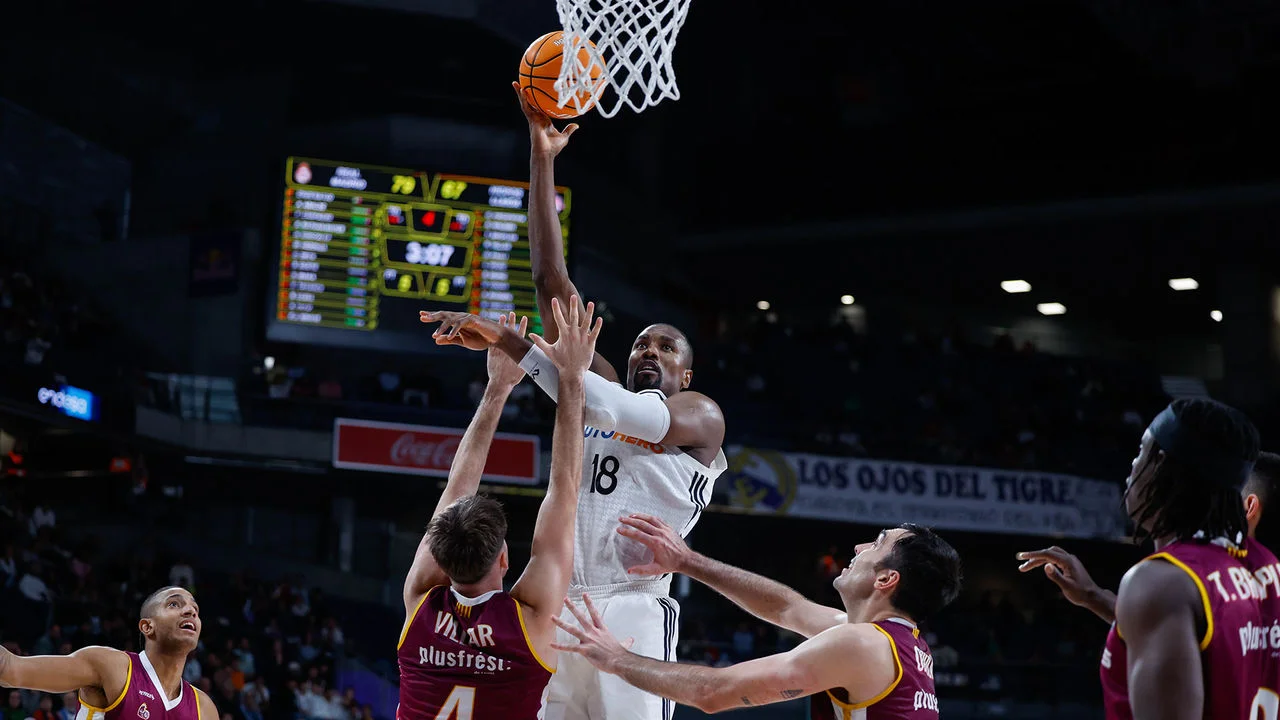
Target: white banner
{"type": "Point", "coordinates": [887, 493]}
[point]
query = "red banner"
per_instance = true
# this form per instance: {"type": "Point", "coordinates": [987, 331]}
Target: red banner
{"type": "Point", "coordinates": [421, 450]}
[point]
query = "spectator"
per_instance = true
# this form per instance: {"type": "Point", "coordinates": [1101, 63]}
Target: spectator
{"type": "Point", "coordinates": [45, 709]}
{"type": "Point", "coordinates": [14, 710]}
{"type": "Point", "coordinates": [182, 575]}
{"type": "Point", "coordinates": [42, 516]}
{"type": "Point", "coordinates": [70, 706]}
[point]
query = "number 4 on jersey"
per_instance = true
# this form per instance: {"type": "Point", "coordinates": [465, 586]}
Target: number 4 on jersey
{"type": "Point", "coordinates": [459, 705]}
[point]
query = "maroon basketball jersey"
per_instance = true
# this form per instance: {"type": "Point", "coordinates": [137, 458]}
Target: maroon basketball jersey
{"type": "Point", "coordinates": [910, 697]}
{"type": "Point", "coordinates": [1232, 651]}
{"type": "Point", "coordinates": [469, 659]}
{"type": "Point", "coordinates": [143, 699]}
{"type": "Point", "coordinates": [1266, 570]}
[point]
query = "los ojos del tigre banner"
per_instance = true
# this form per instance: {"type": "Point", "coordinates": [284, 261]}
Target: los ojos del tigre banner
{"type": "Point", "coordinates": [880, 492]}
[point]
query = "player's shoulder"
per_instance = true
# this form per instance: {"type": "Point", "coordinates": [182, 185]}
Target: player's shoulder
{"type": "Point", "coordinates": [1155, 586]}
{"type": "Point", "coordinates": [863, 639]}
{"type": "Point", "coordinates": [208, 708]}
{"type": "Point", "coordinates": [695, 402]}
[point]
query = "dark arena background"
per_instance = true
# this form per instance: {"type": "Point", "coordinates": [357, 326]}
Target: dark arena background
{"type": "Point", "coordinates": [836, 210]}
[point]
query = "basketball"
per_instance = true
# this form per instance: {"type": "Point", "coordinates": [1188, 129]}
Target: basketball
{"type": "Point", "coordinates": [539, 69]}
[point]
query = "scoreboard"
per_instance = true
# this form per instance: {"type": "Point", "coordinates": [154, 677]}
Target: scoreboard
{"type": "Point", "coordinates": [364, 248]}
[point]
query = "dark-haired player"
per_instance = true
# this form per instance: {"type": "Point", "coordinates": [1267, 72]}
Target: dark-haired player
{"type": "Point", "coordinates": [1186, 638]}
{"type": "Point", "coordinates": [652, 446]}
{"type": "Point", "coordinates": [116, 685]}
{"type": "Point", "coordinates": [1263, 486]}
{"type": "Point", "coordinates": [470, 651]}
{"type": "Point", "coordinates": [868, 661]}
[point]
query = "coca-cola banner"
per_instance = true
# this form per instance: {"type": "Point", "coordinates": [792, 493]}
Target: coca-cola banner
{"type": "Point", "coordinates": [422, 450]}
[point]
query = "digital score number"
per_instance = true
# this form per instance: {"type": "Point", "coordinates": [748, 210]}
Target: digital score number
{"type": "Point", "coordinates": [361, 245]}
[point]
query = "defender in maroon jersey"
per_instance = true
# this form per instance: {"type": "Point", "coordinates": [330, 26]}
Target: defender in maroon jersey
{"type": "Point", "coordinates": [1264, 487]}
{"type": "Point", "coordinates": [1188, 640]}
{"type": "Point", "coordinates": [867, 662]}
{"type": "Point", "coordinates": [115, 685]}
{"type": "Point", "coordinates": [1069, 574]}
{"type": "Point", "coordinates": [469, 650]}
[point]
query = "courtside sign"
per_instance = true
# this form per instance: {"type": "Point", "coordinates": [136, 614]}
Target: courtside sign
{"type": "Point", "coordinates": [426, 450]}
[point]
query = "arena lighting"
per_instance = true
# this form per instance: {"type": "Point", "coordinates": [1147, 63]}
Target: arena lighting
{"type": "Point", "coordinates": [1052, 308]}
{"type": "Point", "coordinates": [1015, 286]}
{"type": "Point", "coordinates": [762, 305]}
{"type": "Point", "coordinates": [1216, 315]}
{"type": "Point", "coordinates": [1183, 283]}
{"type": "Point", "coordinates": [846, 299]}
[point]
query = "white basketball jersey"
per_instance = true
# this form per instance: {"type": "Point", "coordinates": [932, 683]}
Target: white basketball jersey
{"type": "Point", "coordinates": [623, 475]}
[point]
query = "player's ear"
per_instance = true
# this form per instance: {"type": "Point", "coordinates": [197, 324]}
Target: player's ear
{"type": "Point", "coordinates": [145, 626]}
{"type": "Point", "coordinates": [887, 579]}
{"type": "Point", "coordinates": [1252, 509]}
{"type": "Point", "coordinates": [686, 379]}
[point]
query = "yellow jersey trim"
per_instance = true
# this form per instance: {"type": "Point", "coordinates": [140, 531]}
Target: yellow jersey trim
{"type": "Point", "coordinates": [525, 631]}
{"type": "Point", "coordinates": [408, 622]}
{"type": "Point", "coordinates": [1204, 596]}
{"type": "Point", "coordinates": [128, 680]}
{"type": "Point", "coordinates": [197, 693]}
{"type": "Point", "coordinates": [897, 663]}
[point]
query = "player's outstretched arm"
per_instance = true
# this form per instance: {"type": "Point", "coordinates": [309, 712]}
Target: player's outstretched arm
{"type": "Point", "coordinates": [545, 581]}
{"type": "Point", "coordinates": [1069, 574]}
{"type": "Point", "coordinates": [546, 242]}
{"type": "Point", "coordinates": [689, 419]}
{"type": "Point", "coordinates": [468, 462]}
{"type": "Point", "coordinates": [1157, 612]}
{"type": "Point", "coordinates": [857, 657]}
{"type": "Point", "coordinates": [767, 599]}
{"type": "Point", "coordinates": [91, 667]}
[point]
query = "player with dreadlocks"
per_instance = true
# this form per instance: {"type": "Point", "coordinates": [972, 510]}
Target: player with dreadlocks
{"type": "Point", "coordinates": [1188, 639]}
{"type": "Point", "coordinates": [1262, 489]}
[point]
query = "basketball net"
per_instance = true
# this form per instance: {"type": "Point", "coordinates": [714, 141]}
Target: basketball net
{"type": "Point", "coordinates": [630, 62]}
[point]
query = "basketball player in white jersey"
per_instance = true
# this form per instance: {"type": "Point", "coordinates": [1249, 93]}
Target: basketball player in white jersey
{"type": "Point", "coordinates": [653, 446]}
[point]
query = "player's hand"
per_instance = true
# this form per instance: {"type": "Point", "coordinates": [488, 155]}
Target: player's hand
{"type": "Point", "coordinates": [1065, 570]}
{"type": "Point", "coordinates": [503, 371]}
{"type": "Point", "coordinates": [456, 328]}
{"type": "Point", "coordinates": [544, 138]}
{"type": "Point", "coordinates": [670, 552]}
{"type": "Point", "coordinates": [595, 642]}
{"type": "Point", "coordinates": [573, 350]}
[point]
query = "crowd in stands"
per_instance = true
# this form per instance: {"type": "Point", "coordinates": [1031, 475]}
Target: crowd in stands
{"type": "Point", "coordinates": [267, 651]}
{"type": "Point", "coordinates": [38, 317]}
{"type": "Point", "coordinates": [829, 389]}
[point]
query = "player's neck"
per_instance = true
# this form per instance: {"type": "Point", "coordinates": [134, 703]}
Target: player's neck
{"type": "Point", "coordinates": [168, 667]}
{"type": "Point", "coordinates": [475, 590]}
{"type": "Point", "coordinates": [1163, 542]}
{"type": "Point", "coordinates": [874, 610]}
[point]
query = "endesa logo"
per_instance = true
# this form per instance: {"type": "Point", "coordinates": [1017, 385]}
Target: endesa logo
{"type": "Point", "coordinates": [70, 401]}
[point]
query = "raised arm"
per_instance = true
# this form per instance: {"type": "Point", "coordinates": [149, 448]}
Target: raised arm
{"type": "Point", "coordinates": [1157, 612]}
{"type": "Point", "coordinates": [545, 581]}
{"type": "Point", "coordinates": [688, 419]}
{"type": "Point", "coordinates": [91, 667]}
{"type": "Point", "coordinates": [767, 599]}
{"type": "Point", "coordinates": [858, 658]}
{"type": "Point", "coordinates": [546, 242]}
{"type": "Point", "coordinates": [468, 463]}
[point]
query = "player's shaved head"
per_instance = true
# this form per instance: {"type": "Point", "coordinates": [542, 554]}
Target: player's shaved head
{"type": "Point", "coordinates": [675, 333]}
{"type": "Point", "coordinates": [151, 606]}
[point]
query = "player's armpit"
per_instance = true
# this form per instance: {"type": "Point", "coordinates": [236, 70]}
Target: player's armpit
{"type": "Point", "coordinates": [696, 421]}
{"type": "Point", "coordinates": [96, 667]}
{"type": "Point", "coordinates": [856, 657]}
{"type": "Point", "coordinates": [1158, 611]}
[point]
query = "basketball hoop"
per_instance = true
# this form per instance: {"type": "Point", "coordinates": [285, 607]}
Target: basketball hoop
{"type": "Point", "coordinates": [631, 58]}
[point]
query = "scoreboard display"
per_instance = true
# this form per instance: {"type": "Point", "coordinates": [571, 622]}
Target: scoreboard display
{"type": "Point", "coordinates": [364, 248]}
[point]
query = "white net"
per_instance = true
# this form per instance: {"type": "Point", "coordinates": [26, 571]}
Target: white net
{"type": "Point", "coordinates": [618, 52]}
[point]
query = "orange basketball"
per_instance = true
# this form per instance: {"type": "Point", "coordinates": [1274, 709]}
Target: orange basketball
{"type": "Point", "coordinates": [539, 69]}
